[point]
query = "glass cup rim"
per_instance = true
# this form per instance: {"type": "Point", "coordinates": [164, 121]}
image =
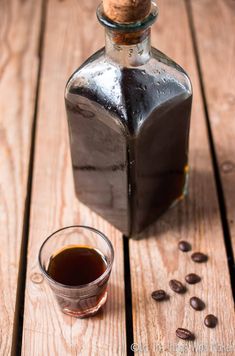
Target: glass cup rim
{"type": "Point", "coordinates": [80, 286]}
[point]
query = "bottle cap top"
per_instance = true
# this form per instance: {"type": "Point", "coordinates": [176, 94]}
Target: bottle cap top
{"type": "Point", "coordinates": [126, 11]}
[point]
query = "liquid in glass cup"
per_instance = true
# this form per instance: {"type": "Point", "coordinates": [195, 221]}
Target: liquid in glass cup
{"type": "Point", "coordinates": [77, 262]}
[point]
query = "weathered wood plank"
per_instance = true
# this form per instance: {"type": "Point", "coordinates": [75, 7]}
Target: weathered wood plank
{"type": "Point", "coordinates": [69, 39]}
{"type": "Point", "coordinates": [155, 259]}
{"type": "Point", "coordinates": [19, 39]}
{"type": "Point", "coordinates": [215, 28]}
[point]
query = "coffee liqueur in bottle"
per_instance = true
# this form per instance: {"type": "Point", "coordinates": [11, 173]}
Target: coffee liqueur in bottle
{"type": "Point", "coordinates": [128, 109]}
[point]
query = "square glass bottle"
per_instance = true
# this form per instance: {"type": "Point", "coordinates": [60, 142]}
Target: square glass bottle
{"type": "Point", "coordinates": [128, 109]}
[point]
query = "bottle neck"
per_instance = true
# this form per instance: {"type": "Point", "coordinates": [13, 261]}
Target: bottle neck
{"type": "Point", "coordinates": [129, 49]}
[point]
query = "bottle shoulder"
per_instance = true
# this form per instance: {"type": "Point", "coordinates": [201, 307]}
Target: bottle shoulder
{"type": "Point", "coordinates": [130, 93]}
{"type": "Point", "coordinates": [171, 68]}
{"type": "Point", "coordinates": [76, 78]}
{"type": "Point", "coordinates": [100, 69]}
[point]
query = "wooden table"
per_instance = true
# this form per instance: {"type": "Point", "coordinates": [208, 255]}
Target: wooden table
{"type": "Point", "coordinates": [42, 43]}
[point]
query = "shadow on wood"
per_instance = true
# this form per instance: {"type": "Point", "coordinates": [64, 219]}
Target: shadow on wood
{"type": "Point", "coordinates": [195, 210]}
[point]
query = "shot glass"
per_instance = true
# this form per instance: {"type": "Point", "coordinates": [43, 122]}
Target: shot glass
{"type": "Point", "coordinates": [85, 299]}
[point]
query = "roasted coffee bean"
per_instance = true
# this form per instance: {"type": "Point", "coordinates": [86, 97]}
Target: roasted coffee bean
{"type": "Point", "coordinates": [192, 278]}
{"type": "Point", "coordinates": [199, 257]}
{"type": "Point", "coordinates": [184, 334]}
{"type": "Point", "coordinates": [196, 303]}
{"type": "Point", "coordinates": [210, 321]}
{"type": "Point", "coordinates": [184, 246]}
{"type": "Point", "coordinates": [177, 286]}
{"type": "Point", "coordinates": [159, 295]}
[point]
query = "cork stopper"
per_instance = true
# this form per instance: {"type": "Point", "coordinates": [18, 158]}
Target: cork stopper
{"type": "Point", "coordinates": [126, 11]}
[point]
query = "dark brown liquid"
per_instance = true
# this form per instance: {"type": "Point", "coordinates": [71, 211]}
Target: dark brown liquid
{"type": "Point", "coordinates": [129, 140]}
{"type": "Point", "coordinates": [130, 183]}
{"type": "Point", "coordinates": [76, 265]}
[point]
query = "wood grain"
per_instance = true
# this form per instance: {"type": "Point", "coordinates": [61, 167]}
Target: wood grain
{"type": "Point", "coordinates": [155, 258]}
{"type": "Point", "coordinates": [19, 39]}
{"type": "Point", "coordinates": [215, 24]}
{"type": "Point", "coordinates": [72, 34]}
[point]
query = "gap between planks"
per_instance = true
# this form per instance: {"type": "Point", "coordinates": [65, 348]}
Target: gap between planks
{"type": "Point", "coordinates": [19, 307]}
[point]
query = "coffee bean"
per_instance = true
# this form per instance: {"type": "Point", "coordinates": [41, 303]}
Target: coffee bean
{"type": "Point", "coordinates": [184, 246]}
{"type": "Point", "coordinates": [177, 286]}
{"type": "Point", "coordinates": [196, 303]}
{"type": "Point", "coordinates": [159, 295]}
{"type": "Point", "coordinates": [184, 334]}
{"type": "Point", "coordinates": [199, 257]}
{"type": "Point", "coordinates": [210, 321]}
{"type": "Point", "coordinates": [192, 278]}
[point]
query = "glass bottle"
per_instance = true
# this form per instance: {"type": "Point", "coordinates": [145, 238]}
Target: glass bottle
{"type": "Point", "coordinates": [128, 109]}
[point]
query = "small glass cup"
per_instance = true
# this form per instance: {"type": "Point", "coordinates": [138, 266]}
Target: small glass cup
{"type": "Point", "coordinates": [86, 299]}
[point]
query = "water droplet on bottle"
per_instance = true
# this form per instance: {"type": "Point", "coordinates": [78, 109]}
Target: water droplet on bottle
{"type": "Point", "coordinates": [130, 52]}
{"type": "Point", "coordinates": [118, 48]}
{"type": "Point", "coordinates": [142, 87]}
{"type": "Point", "coordinates": [135, 112]}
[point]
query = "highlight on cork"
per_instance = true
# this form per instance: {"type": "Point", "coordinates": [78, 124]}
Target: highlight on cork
{"type": "Point", "coordinates": [126, 11]}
